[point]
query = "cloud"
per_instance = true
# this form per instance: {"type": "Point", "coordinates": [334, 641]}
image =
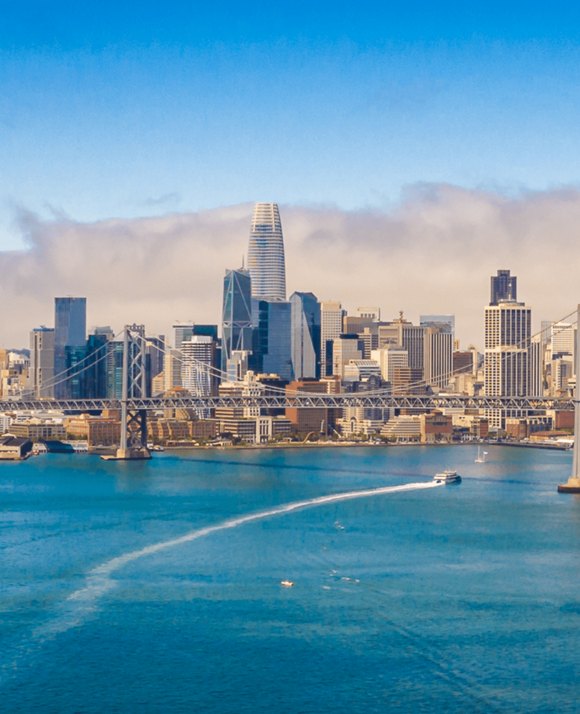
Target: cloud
{"type": "Point", "coordinates": [433, 253]}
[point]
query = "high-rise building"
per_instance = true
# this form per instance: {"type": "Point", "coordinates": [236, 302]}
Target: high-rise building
{"type": "Point", "coordinates": [506, 366]}
{"type": "Point", "coordinates": [345, 347]}
{"type": "Point", "coordinates": [438, 355]}
{"type": "Point", "coordinates": [41, 374]}
{"type": "Point", "coordinates": [305, 311]}
{"type": "Point", "coordinates": [503, 287]}
{"type": "Point", "coordinates": [70, 334]}
{"type": "Point", "coordinates": [331, 317]}
{"type": "Point", "coordinates": [236, 314]}
{"type": "Point", "coordinates": [266, 260]}
{"type": "Point", "coordinates": [390, 357]}
{"type": "Point", "coordinates": [272, 338]}
{"type": "Point", "coordinates": [96, 371]}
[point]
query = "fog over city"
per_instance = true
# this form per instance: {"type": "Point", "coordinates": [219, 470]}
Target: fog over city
{"type": "Point", "coordinates": [433, 252]}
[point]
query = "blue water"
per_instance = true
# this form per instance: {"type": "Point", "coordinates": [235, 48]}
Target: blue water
{"type": "Point", "coordinates": [439, 599]}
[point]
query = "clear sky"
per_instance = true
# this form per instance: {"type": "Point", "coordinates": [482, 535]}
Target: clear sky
{"type": "Point", "coordinates": [140, 108]}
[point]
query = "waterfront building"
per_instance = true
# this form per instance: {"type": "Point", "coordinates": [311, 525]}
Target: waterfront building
{"type": "Point", "coordinates": [41, 374]}
{"type": "Point", "coordinates": [70, 334]}
{"type": "Point", "coordinates": [331, 327]}
{"type": "Point", "coordinates": [236, 314]}
{"type": "Point", "coordinates": [504, 287]}
{"type": "Point", "coordinates": [266, 260]}
{"type": "Point", "coordinates": [305, 421]}
{"type": "Point", "coordinates": [305, 316]}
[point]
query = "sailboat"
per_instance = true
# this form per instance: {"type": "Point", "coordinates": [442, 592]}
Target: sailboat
{"type": "Point", "coordinates": [480, 456]}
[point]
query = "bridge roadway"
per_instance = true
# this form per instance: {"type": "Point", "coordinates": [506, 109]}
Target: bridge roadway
{"type": "Point", "coordinates": [298, 400]}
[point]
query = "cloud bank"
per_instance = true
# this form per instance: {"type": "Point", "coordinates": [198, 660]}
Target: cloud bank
{"type": "Point", "coordinates": [432, 253]}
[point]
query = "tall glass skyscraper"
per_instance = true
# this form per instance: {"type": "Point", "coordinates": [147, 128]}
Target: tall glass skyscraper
{"type": "Point", "coordinates": [236, 314]}
{"type": "Point", "coordinates": [266, 253]}
{"type": "Point", "coordinates": [70, 334]}
{"type": "Point", "coordinates": [305, 335]}
{"type": "Point", "coordinates": [272, 338]}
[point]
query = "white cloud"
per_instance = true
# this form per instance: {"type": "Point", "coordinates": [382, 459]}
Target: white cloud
{"type": "Point", "coordinates": [432, 253]}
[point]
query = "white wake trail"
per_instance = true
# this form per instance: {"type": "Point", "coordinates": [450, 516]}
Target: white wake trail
{"type": "Point", "coordinates": [99, 581]}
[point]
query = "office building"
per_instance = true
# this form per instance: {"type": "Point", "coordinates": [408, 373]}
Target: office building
{"type": "Point", "coordinates": [70, 334]}
{"type": "Point", "coordinates": [236, 314]}
{"type": "Point", "coordinates": [266, 260]}
{"type": "Point", "coordinates": [41, 374]}
{"type": "Point", "coordinates": [305, 315]}
{"type": "Point", "coordinates": [344, 348]}
{"type": "Point", "coordinates": [272, 338]}
{"type": "Point", "coordinates": [197, 368]}
{"type": "Point", "coordinates": [506, 365]}
{"type": "Point", "coordinates": [331, 317]}
{"type": "Point", "coordinates": [504, 287]}
{"type": "Point", "coordinates": [437, 355]}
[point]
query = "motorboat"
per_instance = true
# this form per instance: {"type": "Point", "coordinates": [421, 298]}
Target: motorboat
{"type": "Point", "coordinates": [287, 583]}
{"type": "Point", "coordinates": [447, 477]}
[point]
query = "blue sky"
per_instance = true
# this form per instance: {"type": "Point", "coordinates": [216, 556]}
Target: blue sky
{"type": "Point", "coordinates": [155, 107]}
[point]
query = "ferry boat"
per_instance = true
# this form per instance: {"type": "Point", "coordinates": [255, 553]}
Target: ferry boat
{"type": "Point", "coordinates": [447, 477]}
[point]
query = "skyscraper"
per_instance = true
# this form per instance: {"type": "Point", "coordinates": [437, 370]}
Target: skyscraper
{"type": "Point", "coordinates": [331, 318]}
{"type": "Point", "coordinates": [305, 335]}
{"type": "Point", "coordinates": [236, 314]}
{"type": "Point", "coordinates": [272, 338]}
{"type": "Point", "coordinates": [503, 287]}
{"type": "Point", "coordinates": [70, 334]}
{"type": "Point", "coordinates": [266, 253]}
{"type": "Point", "coordinates": [507, 341]}
{"type": "Point", "coordinates": [41, 373]}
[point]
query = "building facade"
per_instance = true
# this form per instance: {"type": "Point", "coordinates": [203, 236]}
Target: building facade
{"type": "Point", "coordinates": [305, 316]}
{"type": "Point", "coordinates": [236, 314]}
{"type": "Point", "coordinates": [266, 261]}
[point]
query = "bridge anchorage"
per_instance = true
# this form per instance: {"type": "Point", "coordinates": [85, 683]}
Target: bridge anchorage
{"type": "Point", "coordinates": [133, 441]}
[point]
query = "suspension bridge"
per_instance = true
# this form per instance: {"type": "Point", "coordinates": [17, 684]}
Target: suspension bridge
{"type": "Point", "coordinates": [134, 402]}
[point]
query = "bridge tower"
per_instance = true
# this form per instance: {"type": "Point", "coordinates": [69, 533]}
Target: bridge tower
{"type": "Point", "coordinates": [133, 443]}
{"type": "Point", "coordinates": [573, 483]}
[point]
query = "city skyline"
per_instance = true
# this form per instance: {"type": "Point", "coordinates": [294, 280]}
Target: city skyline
{"type": "Point", "coordinates": [138, 272]}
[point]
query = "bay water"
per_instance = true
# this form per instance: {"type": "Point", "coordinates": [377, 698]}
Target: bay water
{"type": "Point", "coordinates": [156, 586]}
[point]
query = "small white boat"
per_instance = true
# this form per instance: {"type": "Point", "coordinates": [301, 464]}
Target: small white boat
{"type": "Point", "coordinates": [287, 583]}
{"type": "Point", "coordinates": [481, 454]}
{"type": "Point", "coordinates": [447, 477]}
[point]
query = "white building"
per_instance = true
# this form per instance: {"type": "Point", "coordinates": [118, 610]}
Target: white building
{"type": "Point", "coordinates": [506, 364]}
{"type": "Point", "coordinates": [331, 316]}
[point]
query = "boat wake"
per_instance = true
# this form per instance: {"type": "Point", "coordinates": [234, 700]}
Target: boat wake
{"type": "Point", "coordinates": [83, 602]}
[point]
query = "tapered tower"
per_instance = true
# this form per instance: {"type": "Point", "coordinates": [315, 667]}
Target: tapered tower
{"type": "Point", "coordinates": [266, 253]}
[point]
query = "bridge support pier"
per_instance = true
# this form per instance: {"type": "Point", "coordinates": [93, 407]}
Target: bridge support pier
{"type": "Point", "coordinates": [572, 485]}
{"type": "Point", "coordinates": [133, 442]}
